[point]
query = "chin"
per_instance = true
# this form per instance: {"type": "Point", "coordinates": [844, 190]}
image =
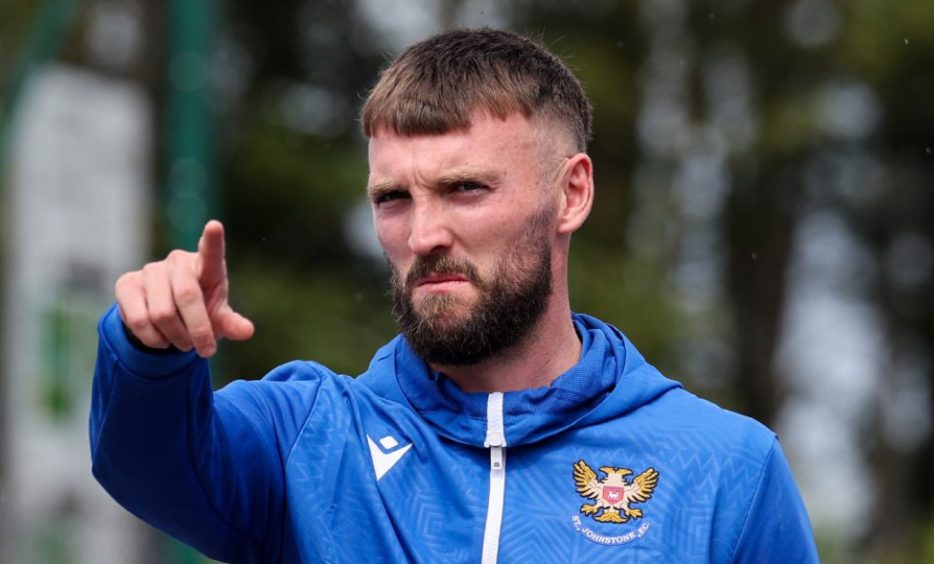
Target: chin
{"type": "Point", "coordinates": [442, 310]}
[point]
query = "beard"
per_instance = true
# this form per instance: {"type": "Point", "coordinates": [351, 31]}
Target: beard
{"type": "Point", "coordinates": [509, 305]}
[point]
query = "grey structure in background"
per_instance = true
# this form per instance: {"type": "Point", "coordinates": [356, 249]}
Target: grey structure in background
{"type": "Point", "coordinates": [77, 216]}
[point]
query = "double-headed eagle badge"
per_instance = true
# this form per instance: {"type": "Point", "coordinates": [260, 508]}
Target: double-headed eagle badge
{"type": "Point", "coordinates": [613, 494]}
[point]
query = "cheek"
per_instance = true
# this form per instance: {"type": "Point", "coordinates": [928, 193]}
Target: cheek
{"type": "Point", "coordinates": [393, 239]}
{"type": "Point", "coordinates": [388, 232]}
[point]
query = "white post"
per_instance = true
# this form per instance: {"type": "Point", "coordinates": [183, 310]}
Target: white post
{"type": "Point", "coordinates": [76, 216]}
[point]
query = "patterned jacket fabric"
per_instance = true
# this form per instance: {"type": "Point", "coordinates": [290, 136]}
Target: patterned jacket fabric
{"type": "Point", "coordinates": [612, 462]}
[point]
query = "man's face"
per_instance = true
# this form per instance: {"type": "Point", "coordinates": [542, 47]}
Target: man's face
{"type": "Point", "coordinates": [467, 227]}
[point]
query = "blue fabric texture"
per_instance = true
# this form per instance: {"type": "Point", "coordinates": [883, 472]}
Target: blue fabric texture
{"type": "Point", "coordinates": [309, 466]}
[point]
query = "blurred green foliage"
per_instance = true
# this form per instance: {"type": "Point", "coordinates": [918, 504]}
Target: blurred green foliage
{"type": "Point", "coordinates": [798, 107]}
{"type": "Point", "coordinates": [289, 189]}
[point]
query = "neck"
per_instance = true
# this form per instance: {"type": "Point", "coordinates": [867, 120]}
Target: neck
{"type": "Point", "coordinates": [549, 349]}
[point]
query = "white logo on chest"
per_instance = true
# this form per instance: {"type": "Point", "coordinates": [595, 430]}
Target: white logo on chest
{"type": "Point", "coordinates": [386, 454]}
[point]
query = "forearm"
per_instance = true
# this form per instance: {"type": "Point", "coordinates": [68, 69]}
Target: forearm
{"type": "Point", "coordinates": [161, 451]}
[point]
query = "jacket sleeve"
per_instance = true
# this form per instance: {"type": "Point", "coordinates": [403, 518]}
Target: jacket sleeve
{"type": "Point", "coordinates": [206, 468]}
{"type": "Point", "coordinates": [777, 528]}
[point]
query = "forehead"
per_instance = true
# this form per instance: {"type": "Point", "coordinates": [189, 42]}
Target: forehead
{"type": "Point", "coordinates": [488, 143]}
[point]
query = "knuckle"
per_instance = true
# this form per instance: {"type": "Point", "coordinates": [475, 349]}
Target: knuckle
{"type": "Point", "coordinates": [177, 255]}
{"type": "Point", "coordinates": [126, 281]}
{"type": "Point", "coordinates": [162, 314]}
{"type": "Point", "coordinates": [151, 267]}
{"type": "Point", "coordinates": [137, 324]}
{"type": "Point", "coordinates": [186, 289]}
{"type": "Point", "coordinates": [187, 295]}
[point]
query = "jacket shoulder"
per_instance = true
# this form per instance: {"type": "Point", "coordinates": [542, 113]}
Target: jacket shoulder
{"type": "Point", "coordinates": [285, 396]}
{"type": "Point", "coordinates": [717, 429]}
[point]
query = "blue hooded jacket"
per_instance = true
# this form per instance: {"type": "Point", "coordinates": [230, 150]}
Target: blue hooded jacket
{"type": "Point", "coordinates": [611, 461]}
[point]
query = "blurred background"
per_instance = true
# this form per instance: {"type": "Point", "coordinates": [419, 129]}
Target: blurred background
{"type": "Point", "coordinates": [763, 230]}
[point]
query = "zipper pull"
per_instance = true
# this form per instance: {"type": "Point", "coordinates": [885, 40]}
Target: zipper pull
{"type": "Point", "coordinates": [495, 429]}
{"type": "Point", "coordinates": [497, 458]}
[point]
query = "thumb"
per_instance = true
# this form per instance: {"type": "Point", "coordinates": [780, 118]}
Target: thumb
{"type": "Point", "coordinates": [232, 325]}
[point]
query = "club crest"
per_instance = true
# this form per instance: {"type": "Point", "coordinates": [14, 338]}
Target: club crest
{"type": "Point", "coordinates": [613, 494]}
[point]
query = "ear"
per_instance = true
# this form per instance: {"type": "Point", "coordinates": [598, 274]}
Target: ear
{"type": "Point", "coordinates": [576, 193]}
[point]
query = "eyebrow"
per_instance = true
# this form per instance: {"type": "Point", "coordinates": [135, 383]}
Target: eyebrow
{"type": "Point", "coordinates": [382, 187]}
{"type": "Point", "coordinates": [485, 176]}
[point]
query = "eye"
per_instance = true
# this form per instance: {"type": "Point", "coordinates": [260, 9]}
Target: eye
{"type": "Point", "coordinates": [388, 196]}
{"type": "Point", "coordinates": [465, 186]}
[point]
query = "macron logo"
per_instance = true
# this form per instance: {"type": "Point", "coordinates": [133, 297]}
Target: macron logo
{"type": "Point", "coordinates": [386, 454]}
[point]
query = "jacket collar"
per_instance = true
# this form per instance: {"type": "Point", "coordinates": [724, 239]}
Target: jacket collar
{"type": "Point", "coordinates": [610, 379]}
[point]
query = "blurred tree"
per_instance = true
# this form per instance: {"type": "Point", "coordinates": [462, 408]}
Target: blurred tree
{"type": "Point", "coordinates": [820, 76]}
{"type": "Point", "coordinates": [722, 98]}
{"type": "Point", "coordinates": [891, 48]}
{"type": "Point", "coordinates": [293, 169]}
{"type": "Point", "coordinates": [720, 127]}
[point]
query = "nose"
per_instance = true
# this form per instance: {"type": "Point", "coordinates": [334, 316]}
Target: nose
{"type": "Point", "coordinates": [429, 232]}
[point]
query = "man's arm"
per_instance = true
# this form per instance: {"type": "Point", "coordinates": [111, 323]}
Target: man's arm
{"type": "Point", "coordinates": [203, 468]}
{"type": "Point", "coordinates": [777, 528]}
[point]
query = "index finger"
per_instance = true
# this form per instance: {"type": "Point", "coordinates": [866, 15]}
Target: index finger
{"type": "Point", "coordinates": [211, 252]}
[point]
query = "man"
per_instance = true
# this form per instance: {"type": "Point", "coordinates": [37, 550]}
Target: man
{"type": "Point", "coordinates": [478, 178]}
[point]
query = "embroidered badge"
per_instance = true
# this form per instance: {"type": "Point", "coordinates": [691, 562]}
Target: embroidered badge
{"type": "Point", "coordinates": [613, 494]}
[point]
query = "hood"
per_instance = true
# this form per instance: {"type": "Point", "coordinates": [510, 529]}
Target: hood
{"type": "Point", "coordinates": [610, 380]}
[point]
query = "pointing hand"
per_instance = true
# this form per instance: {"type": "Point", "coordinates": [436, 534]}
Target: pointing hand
{"type": "Point", "coordinates": [182, 301]}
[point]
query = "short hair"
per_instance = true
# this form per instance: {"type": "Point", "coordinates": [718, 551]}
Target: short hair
{"type": "Point", "coordinates": [434, 86]}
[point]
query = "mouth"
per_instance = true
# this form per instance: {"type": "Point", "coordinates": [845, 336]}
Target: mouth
{"type": "Point", "coordinates": [438, 279]}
